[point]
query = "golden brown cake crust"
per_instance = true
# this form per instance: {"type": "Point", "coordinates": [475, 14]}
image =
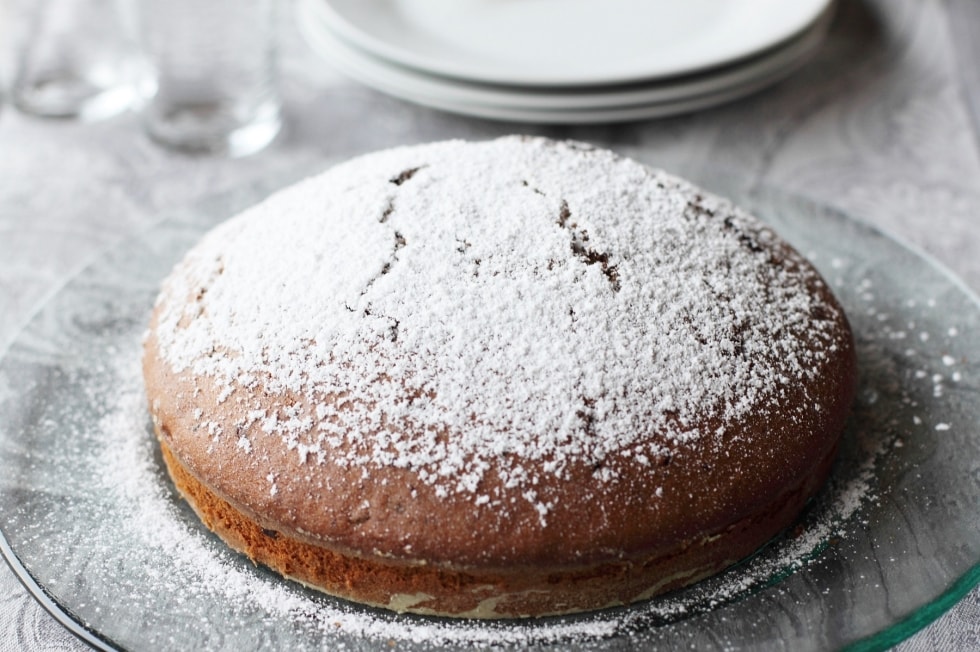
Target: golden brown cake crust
{"type": "Point", "coordinates": [687, 491]}
{"type": "Point", "coordinates": [479, 593]}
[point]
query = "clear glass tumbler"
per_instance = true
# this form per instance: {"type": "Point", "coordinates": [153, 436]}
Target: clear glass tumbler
{"type": "Point", "coordinates": [215, 65]}
{"type": "Point", "coordinates": [79, 59]}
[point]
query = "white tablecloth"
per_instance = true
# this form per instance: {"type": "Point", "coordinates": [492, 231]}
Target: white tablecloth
{"type": "Point", "coordinates": [876, 124]}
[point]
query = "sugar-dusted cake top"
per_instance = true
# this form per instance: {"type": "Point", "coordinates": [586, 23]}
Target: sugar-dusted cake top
{"type": "Point", "coordinates": [516, 304]}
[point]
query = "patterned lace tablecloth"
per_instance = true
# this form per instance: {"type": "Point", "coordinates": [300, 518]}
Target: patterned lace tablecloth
{"type": "Point", "coordinates": [876, 125]}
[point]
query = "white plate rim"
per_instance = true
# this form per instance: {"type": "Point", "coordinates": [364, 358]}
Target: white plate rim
{"type": "Point", "coordinates": [593, 116]}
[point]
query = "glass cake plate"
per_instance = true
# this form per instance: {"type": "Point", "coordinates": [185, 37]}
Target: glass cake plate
{"type": "Point", "coordinates": [93, 527]}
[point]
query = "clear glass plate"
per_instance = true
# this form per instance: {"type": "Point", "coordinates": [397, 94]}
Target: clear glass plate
{"type": "Point", "coordinates": [92, 525]}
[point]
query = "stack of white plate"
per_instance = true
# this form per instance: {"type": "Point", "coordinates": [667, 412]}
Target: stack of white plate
{"type": "Point", "coordinates": [566, 61]}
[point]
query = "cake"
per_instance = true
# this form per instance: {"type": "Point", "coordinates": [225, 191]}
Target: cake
{"type": "Point", "coordinates": [498, 379]}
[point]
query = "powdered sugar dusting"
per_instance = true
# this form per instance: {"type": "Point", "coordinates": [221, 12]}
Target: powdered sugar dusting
{"type": "Point", "coordinates": [452, 305]}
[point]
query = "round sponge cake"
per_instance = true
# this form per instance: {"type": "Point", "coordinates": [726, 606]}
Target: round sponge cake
{"type": "Point", "coordinates": [499, 379]}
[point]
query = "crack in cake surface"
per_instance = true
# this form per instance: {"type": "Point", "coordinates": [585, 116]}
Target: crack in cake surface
{"type": "Point", "coordinates": [486, 327]}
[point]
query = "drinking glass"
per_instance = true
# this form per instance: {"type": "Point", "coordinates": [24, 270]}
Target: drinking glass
{"type": "Point", "coordinates": [79, 59]}
{"type": "Point", "coordinates": [216, 78]}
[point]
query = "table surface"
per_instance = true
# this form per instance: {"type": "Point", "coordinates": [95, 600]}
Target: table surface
{"type": "Point", "coordinates": [877, 124]}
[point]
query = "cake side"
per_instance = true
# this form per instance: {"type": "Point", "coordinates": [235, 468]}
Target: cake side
{"type": "Point", "coordinates": [688, 490]}
{"type": "Point", "coordinates": [519, 591]}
